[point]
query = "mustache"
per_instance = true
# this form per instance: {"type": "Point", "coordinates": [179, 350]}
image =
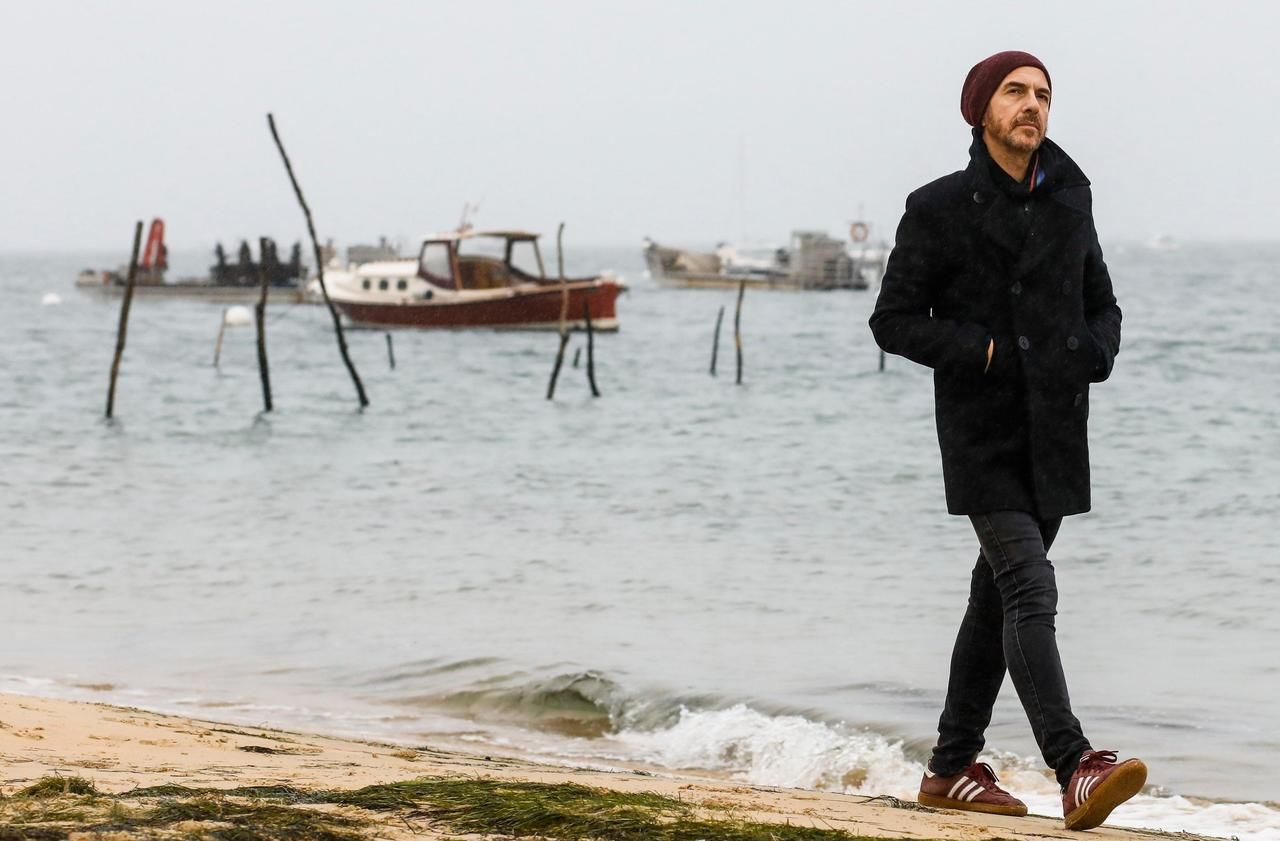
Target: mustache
{"type": "Point", "coordinates": [1028, 120]}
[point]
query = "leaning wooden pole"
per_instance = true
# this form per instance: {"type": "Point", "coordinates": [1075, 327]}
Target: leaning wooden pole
{"type": "Point", "coordinates": [315, 245]}
{"type": "Point", "coordinates": [591, 349]}
{"type": "Point", "coordinates": [715, 343]}
{"type": "Point", "coordinates": [124, 319]}
{"type": "Point", "coordinates": [260, 318]}
{"type": "Point", "coordinates": [737, 328]}
{"type": "Point", "coordinates": [217, 346]}
{"type": "Point", "coordinates": [564, 313]}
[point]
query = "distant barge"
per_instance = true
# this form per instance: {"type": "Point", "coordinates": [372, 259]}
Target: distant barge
{"type": "Point", "coordinates": [230, 283]}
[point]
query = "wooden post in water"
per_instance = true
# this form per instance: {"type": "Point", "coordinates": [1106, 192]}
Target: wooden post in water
{"type": "Point", "coordinates": [715, 343]}
{"type": "Point", "coordinates": [882, 360]}
{"type": "Point", "coordinates": [217, 347]}
{"type": "Point", "coordinates": [260, 319]}
{"type": "Point", "coordinates": [124, 319]}
{"type": "Point", "coordinates": [315, 246]}
{"type": "Point", "coordinates": [737, 328]}
{"type": "Point", "coordinates": [391, 353]}
{"type": "Point", "coordinates": [564, 313]}
{"type": "Point", "coordinates": [591, 349]}
{"type": "Point", "coordinates": [577, 352]}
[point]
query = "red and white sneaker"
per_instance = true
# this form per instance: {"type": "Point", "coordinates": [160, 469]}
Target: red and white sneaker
{"type": "Point", "coordinates": [1098, 785]}
{"type": "Point", "coordinates": [974, 790]}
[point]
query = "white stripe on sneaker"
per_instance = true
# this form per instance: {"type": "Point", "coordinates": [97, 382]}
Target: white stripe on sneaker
{"type": "Point", "coordinates": [1089, 785]}
{"type": "Point", "coordinates": [963, 781]}
{"type": "Point", "coordinates": [974, 792]}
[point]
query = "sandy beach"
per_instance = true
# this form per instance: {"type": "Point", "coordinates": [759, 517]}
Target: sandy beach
{"type": "Point", "coordinates": [120, 750]}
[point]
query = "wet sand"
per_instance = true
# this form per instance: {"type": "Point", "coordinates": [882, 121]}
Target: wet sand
{"type": "Point", "coordinates": [119, 749]}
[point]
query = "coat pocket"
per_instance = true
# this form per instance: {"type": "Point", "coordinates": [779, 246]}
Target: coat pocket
{"type": "Point", "coordinates": [1082, 357]}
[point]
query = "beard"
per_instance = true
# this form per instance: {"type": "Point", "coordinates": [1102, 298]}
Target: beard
{"type": "Point", "coordinates": [1010, 137]}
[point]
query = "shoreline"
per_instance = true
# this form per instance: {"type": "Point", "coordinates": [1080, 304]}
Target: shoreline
{"type": "Point", "coordinates": [121, 749]}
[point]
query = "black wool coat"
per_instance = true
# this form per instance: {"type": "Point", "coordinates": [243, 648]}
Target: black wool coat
{"type": "Point", "coordinates": [978, 257]}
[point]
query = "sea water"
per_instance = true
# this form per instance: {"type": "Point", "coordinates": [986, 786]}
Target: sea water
{"type": "Point", "coordinates": [757, 582]}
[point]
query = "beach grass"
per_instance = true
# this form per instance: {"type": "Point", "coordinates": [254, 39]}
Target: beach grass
{"type": "Point", "coordinates": [57, 807]}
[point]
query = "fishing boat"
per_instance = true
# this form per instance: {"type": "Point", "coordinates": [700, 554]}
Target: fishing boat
{"type": "Point", "coordinates": [468, 278]}
{"type": "Point", "coordinates": [228, 282]}
{"type": "Point", "coordinates": [811, 260]}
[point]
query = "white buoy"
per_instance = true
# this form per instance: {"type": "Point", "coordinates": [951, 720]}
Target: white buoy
{"type": "Point", "coordinates": [237, 316]}
{"type": "Point", "coordinates": [50, 299]}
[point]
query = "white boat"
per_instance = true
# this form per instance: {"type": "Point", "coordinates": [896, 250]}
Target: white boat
{"type": "Point", "coordinates": [811, 260]}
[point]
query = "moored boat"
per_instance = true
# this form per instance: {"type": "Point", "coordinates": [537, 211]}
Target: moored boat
{"type": "Point", "coordinates": [811, 260]}
{"type": "Point", "coordinates": [493, 279]}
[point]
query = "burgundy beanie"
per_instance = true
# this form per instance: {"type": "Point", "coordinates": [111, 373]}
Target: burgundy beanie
{"type": "Point", "coordinates": [981, 83]}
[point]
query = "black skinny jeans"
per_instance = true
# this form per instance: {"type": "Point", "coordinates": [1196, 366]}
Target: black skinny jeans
{"type": "Point", "coordinates": [1013, 598]}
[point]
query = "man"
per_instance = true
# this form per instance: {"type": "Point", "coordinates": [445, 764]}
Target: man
{"type": "Point", "coordinates": [997, 283]}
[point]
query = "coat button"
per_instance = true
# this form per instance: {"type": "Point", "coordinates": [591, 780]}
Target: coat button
{"type": "Point", "coordinates": [1066, 287]}
{"type": "Point", "coordinates": [977, 198]}
{"type": "Point", "coordinates": [1072, 343]}
{"type": "Point", "coordinates": [1026, 208]}
{"type": "Point", "coordinates": [1024, 343]}
{"type": "Point", "coordinates": [1079, 399]}
{"type": "Point", "coordinates": [1016, 288]}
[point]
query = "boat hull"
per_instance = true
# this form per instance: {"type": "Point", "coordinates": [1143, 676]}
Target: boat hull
{"type": "Point", "coordinates": [519, 308]}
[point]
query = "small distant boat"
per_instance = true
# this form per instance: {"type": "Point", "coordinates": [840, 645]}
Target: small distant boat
{"type": "Point", "coordinates": [238, 282]}
{"type": "Point", "coordinates": [812, 260]}
{"type": "Point", "coordinates": [461, 279]}
{"type": "Point", "coordinates": [1163, 242]}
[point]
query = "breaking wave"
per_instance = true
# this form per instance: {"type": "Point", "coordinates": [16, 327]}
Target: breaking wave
{"type": "Point", "coordinates": [581, 705]}
{"type": "Point", "coordinates": [590, 719]}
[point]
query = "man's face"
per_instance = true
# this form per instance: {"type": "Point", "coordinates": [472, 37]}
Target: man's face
{"type": "Point", "coordinates": [1017, 117]}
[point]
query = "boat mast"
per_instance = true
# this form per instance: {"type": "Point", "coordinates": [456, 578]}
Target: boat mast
{"type": "Point", "coordinates": [741, 187]}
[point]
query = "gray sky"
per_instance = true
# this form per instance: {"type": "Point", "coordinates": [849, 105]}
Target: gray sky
{"type": "Point", "coordinates": [687, 121]}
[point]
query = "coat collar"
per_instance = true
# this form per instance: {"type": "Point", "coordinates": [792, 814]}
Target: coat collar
{"type": "Point", "coordinates": [1060, 172]}
{"type": "Point", "coordinates": [999, 195]}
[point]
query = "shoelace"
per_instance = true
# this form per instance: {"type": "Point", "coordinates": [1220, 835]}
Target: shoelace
{"type": "Point", "coordinates": [1097, 760]}
{"type": "Point", "coordinates": [983, 773]}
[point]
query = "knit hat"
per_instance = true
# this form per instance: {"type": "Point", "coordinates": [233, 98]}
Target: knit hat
{"type": "Point", "coordinates": [981, 83]}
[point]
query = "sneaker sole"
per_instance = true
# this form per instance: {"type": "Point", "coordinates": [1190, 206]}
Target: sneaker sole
{"type": "Point", "coordinates": [936, 802]}
{"type": "Point", "coordinates": [1124, 782]}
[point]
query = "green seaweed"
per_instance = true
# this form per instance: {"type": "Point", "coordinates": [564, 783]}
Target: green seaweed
{"type": "Point", "coordinates": [56, 787]}
{"type": "Point", "coordinates": [555, 811]}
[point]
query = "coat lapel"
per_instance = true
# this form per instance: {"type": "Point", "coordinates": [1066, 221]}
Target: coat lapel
{"type": "Point", "coordinates": [993, 222]}
{"type": "Point", "coordinates": [1052, 225]}
{"type": "Point", "coordinates": [992, 204]}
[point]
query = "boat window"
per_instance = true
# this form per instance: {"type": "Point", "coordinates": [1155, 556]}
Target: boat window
{"type": "Point", "coordinates": [435, 264]}
{"type": "Point", "coordinates": [365, 283]}
{"type": "Point", "coordinates": [402, 284]}
{"type": "Point", "coordinates": [477, 272]}
{"type": "Point", "coordinates": [382, 284]}
{"type": "Point", "coordinates": [483, 246]}
{"type": "Point", "coordinates": [525, 259]}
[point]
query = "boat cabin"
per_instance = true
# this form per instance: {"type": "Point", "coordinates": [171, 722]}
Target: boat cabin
{"type": "Point", "coordinates": [477, 260]}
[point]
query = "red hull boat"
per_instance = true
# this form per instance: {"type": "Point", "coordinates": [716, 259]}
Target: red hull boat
{"type": "Point", "coordinates": [534, 309]}
{"type": "Point", "coordinates": [447, 287]}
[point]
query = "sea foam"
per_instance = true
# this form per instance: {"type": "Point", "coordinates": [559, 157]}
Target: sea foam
{"type": "Point", "coordinates": [795, 752]}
